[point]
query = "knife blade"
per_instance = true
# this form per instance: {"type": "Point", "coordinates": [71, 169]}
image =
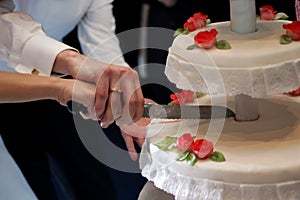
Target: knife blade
{"type": "Point", "coordinates": [186, 112]}
{"type": "Point", "coordinates": [171, 112]}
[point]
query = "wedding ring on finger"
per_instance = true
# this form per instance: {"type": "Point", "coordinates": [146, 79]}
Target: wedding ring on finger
{"type": "Point", "coordinates": [115, 90]}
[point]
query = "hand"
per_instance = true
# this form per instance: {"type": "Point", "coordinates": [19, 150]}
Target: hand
{"type": "Point", "coordinates": [134, 133]}
{"type": "Point", "coordinates": [78, 91]}
{"type": "Point", "coordinates": [118, 96]}
{"type": "Point", "coordinates": [125, 103]}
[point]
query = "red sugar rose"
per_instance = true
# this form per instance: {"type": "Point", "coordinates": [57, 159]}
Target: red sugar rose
{"type": "Point", "coordinates": [184, 142]}
{"type": "Point", "coordinates": [182, 97]}
{"type": "Point", "coordinates": [206, 39]}
{"type": "Point", "coordinates": [293, 30]}
{"type": "Point", "coordinates": [197, 21]}
{"type": "Point", "coordinates": [294, 92]}
{"type": "Point", "coordinates": [267, 12]}
{"type": "Point", "coordinates": [202, 148]}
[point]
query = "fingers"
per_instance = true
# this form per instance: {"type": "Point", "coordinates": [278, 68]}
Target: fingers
{"type": "Point", "coordinates": [129, 141]}
{"type": "Point", "coordinates": [134, 132]}
{"type": "Point", "coordinates": [132, 97]}
{"type": "Point", "coordinates": [101, 95]}
{"type": "Point", "coordinates": [137, 130]}
{"type": "Point", "coordinates": [109, 77]}
{"type": "Point", "coordinates": [138, 102]}
{"type": "Point", "coordinates": [119, 88]}
{"type": "Point", "coordinates": [140, 141]}
{"type": "Point", "coordinates": [114, 105]}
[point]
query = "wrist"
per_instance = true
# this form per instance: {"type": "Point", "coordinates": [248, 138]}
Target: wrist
{"type": "Point", "coordinates": [68, 62]}
{"type": "Point", "coordinates": [62, 90]}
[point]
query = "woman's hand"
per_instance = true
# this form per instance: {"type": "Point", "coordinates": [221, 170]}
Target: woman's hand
{"type": "Point", "coordinates": [80, 92]}
{"type": "Point", "coordinates": [135, 132]}
{"type": "Point", "coordinates": [118, 91]}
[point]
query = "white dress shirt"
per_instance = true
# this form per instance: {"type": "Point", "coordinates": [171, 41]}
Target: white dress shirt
{"type": "Point", "coordinates": [26, 45]}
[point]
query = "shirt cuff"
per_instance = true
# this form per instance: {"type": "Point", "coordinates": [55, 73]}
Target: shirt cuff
{"type": "Point", "coordinates": [39, 54]}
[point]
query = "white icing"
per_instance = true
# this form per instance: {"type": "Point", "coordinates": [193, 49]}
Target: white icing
{"type": "Point", "coordinates": [262, 159]}
{"type": "Point", "coordinates": [257, 64]}
{"type": "Point", "coordinates": [261, 156]}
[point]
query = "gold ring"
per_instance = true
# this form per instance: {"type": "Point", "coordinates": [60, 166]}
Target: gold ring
{"type": "Point", "coordinates": [115, 90]}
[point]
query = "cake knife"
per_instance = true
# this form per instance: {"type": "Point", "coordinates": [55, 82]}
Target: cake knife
{"type": "Point", "coordinates": [172, 112]}
{"type": "Point", "coordinates": [186, 112]}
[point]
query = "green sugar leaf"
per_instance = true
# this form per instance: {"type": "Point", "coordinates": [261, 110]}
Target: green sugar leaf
{"type": "Point", "coordinates": [284, 39]}
{"type": "Point", "coordinates": [191, 47]}
{"type": "Point", "coordinates": [166, 143]}
{"type": "Point", "coordinates": [208, 21]}
{"type": "Point", "coordinates": [186, 31]}
{"type": "Point", "coordinates": [281, 16]}
{"type": "Point", "coordinates": [217, 156]}
{"type": "Point", "coordinates": [198, 94]}
{"type": "Point", "coordinates": [181, 31]}
{"type": "Point", "coordinates": [223, 44]}
{"type": "Point", "coordinates": [182, 155]}
{"type": "Point", "coordinates": [178, 32]}
{"type": "Point", "coordinates": [191, 159]}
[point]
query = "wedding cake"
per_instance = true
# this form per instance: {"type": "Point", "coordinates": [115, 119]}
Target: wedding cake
{"type": "Point", "coordinates": [249, 75]}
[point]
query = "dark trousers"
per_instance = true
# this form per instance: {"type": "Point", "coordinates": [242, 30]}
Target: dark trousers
{"type": "Point", "coordinates": [49, 145]}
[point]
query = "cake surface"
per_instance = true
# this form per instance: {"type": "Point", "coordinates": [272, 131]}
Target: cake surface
{"type": "Point", "coordinates": [256, 65]}
{"type": "Point", "coordinates": [261, 156]}
{"type": "Point", "coordinates": [261, 153]}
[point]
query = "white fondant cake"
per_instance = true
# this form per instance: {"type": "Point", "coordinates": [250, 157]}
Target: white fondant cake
{"type": "Point", "coordinates": [262, 160]}
{"type": "Point", "coordinates": [256, 65]}
{"type": "Point", "coordinates": [261, 155]}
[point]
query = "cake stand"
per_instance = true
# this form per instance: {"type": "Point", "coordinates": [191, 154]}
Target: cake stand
{"type": "Point", "coordinates": [259, 145]}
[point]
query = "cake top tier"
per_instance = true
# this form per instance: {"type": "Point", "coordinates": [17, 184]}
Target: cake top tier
{"type": "Point", "coordinates": [258, 49]}
{"type": "Point", "coordinates": [256, 65]}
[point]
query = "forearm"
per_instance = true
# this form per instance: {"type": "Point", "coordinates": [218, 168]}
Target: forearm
{"type": "Point", "coordinates": [16, 87]}
{"type": "Point", "coordinates": [78, 66]}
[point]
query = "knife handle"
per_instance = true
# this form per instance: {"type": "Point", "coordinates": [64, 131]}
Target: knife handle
{"type": "Point", "coordinates": [75, 107]}
{"type": "Point", "coordinates": [146, 110]}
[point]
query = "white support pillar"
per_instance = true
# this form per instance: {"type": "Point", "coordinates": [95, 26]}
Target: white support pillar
{"type": "Point", "coordinates": [246, 108]}
{"type": "Point", "coordinates": [243, 16]}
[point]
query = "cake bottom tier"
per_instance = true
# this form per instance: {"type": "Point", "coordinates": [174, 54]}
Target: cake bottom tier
{"type": "Point", "coordinates": [262, 156]}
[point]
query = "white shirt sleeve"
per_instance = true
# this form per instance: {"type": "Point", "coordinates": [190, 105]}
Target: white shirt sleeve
{"type": "Point", "coordinates": [96, 33]}
{"type": "Point", "coordinates": [24, 45]}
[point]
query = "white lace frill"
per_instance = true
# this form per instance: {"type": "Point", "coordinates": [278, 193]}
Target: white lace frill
{"type": "Point", "coordinates": [186, 188]}
{"type": "Point", "coordinates": [256, 82]}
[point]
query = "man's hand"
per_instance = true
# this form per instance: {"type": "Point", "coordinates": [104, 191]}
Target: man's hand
{"type": "Point", "coordinates": [118, 92]}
